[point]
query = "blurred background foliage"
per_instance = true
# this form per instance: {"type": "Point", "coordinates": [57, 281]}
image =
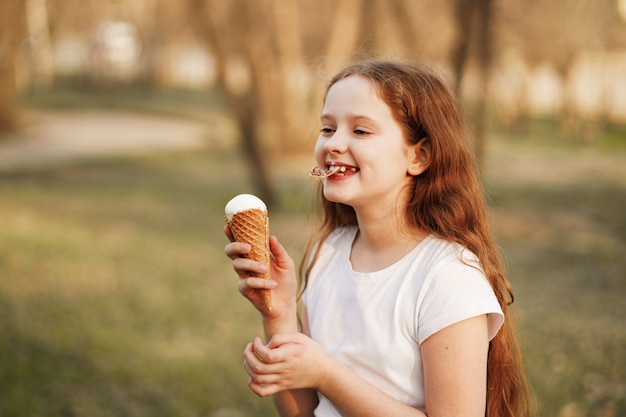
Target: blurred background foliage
{"type": "Point", "coordinates": [266, 61]}
{"type": "Point", "coordinates": [115, 296]}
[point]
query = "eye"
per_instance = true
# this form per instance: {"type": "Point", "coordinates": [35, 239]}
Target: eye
{"type": "Point", "coordinates": [326, 130]}
{"type": "Point", "coordinates": [360, 132]}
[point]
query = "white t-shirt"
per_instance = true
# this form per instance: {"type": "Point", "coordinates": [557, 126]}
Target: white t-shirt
{"type": "Point", "coordinates": [374, 322]}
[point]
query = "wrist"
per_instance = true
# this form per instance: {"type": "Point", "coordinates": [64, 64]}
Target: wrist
{"type": "Point", "coordinates": [325, 372]}
{"type": "Point", "coordinates": [285, 322]}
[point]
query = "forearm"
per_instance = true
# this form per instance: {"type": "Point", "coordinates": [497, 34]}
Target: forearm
{"type": "Point", "coordinates": [355, 397]}
{"type": "Point", "coordinates": [296, 402]}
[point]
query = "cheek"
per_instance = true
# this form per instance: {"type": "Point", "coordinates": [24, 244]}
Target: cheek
{"type": "Point", "coordinates": [318, 151]}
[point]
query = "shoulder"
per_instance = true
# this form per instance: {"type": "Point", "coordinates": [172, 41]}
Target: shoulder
{"type": "Point", "coordinates": [440, 253]}
{"type": "Point", "coordinates": [450, 264]}
{"type": "Point", "coordinates": [456, 288]}
{"type": "Point", "coordinates": [338, 238]}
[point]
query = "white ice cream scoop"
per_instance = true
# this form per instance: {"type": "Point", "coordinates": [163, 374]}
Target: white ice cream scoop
{"type": "Point", "coordinates": [243, 202]}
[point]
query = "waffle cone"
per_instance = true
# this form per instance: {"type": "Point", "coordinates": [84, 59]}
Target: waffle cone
{"type": "Point", "coordinates": [252, 227]}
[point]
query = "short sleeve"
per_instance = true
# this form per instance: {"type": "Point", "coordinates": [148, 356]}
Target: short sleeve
{"type": "Point", "coordinates": [456, 292]}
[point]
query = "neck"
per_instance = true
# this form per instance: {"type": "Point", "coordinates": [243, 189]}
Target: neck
{"type": "Point", "coordinates": [382, 240]}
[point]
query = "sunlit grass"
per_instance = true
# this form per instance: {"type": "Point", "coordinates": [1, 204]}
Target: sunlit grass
{"type": "Point", "coordinates": [116, 298]}
{"type": "Point", "coordinates": [565, 249]}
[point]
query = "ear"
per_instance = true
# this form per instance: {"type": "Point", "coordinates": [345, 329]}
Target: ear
{"type": "Point", "coordinates": [421, 156]}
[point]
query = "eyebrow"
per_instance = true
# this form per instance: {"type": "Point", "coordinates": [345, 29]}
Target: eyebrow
{"type": "Point", "coordinates": [351, 116]}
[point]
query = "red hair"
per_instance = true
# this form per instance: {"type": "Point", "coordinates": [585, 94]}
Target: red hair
{"type": "Point", "coordinates": [447, 201]}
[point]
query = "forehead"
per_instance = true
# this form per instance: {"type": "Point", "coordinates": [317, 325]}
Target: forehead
{"type": "Point", "coordinates": [355, 94]}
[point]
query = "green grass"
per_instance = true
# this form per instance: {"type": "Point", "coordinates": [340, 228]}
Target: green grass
{"type": "Point", "coordinates": [115, 295]}
{"type": "Point", "coordinates": [116, 298]}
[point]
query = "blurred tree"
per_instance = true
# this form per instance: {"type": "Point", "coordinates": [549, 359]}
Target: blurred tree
{"type": "Point", "coordinates": [12, 33]}
{"type": "Point", "coordinates": [464, 11]}
{"type": "Point", "coordinates": [556, 32]}
{"type": "Point", "coordinates": [262, 73]}
{"type": "Point", "coordinates": [485, 54]}
{"type": "Point", "coordinates": [473, 20]}
{"type": "Point", "coordinates": [272, 57]}
{"type": "Point", "coordinates": [40, 53]}
{"type": "Point", "coordinates": [163, 28]}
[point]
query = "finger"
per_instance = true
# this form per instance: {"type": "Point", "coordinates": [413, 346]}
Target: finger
{"type": "Point", "coordinates": [260, 377]}
{"type": "Point", "coordinates": [263, 390]}
{"type": "Point", "coordinates": [228, 233]}
{"type": "Point", "coordinates": [252, 367]}
{"type": "Point", "coordinates": [248, 284]}
{"type": "Point", "coordinates": [280, 350]}
{"type": "Point", "coordinates": [252, 360]}
{"type": "Point", "coordinates": [260, 360]}
{"type": "Point", "coordinates": [237, 250]}
{"type": "Point", "coordinates": [248, 268]}
{"type": "Point", "coordinates": [262, 352]}
{"type": "Point", "coordinates": [253, 363]}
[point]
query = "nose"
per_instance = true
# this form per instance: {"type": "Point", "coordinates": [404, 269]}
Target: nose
{"type": "Point", "coordinates": [337, 143]}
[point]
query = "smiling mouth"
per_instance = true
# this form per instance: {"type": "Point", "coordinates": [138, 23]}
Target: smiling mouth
{"type": "Point", "coordinates": [319, 173]}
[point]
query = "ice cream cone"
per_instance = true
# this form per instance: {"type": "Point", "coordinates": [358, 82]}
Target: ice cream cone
{"type": "Point", "coordinates": [252, 226]}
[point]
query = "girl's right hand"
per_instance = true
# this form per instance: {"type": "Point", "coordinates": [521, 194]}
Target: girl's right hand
{"type": "Point", "coordinates": [282, 283]}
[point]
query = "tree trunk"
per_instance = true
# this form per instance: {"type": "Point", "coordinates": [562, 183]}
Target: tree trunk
{"type": "Point", "coordinates": [569, 120]}
{"type": "Point", "coordinates": [246, 106]}
{"type": "Point", "coordinates": [8, 110]}
{"type": "Point", "coordinates": [12, 30]}
{"type": "Point", "coordinates": [474, 17]}
{"type": "Point", "coordinates": [345, 33]}
{"type": "Point", "coordinates": [247, 119]}
{"type": "Point", "coordinates": [485, 13]}
{"type": "Point", "coordinates": [41, 54]}
{"type": "Point", "coordinates": [463, 14]}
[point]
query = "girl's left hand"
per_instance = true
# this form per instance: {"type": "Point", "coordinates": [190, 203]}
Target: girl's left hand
{"type": "Point", "coordinates": [288, 361]}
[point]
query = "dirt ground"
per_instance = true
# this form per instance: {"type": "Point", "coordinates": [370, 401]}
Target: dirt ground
{"type": "Point", "coordinates": [48, 138]}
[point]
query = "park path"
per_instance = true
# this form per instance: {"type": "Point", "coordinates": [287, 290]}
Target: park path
{"type": "Point", "coordinates": [51, 137]}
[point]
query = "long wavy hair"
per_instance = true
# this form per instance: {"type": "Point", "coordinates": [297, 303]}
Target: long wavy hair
{"type": "Point", "coordinates": [447, 201]}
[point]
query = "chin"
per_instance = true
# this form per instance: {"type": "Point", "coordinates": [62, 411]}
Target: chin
{"type": "Point", "coordinates": [337, 197]}
{"type": "Point", "coordinates": [333, 197]}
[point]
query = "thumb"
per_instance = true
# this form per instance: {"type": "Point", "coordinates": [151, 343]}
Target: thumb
{"type": "Point", "coordinates": [281, 339]}
{"type": "Point", "coordinates": [281, 257]}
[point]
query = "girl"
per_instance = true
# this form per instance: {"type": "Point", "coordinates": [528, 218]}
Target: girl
{"type": "Point", "coordinates": [403, 297]}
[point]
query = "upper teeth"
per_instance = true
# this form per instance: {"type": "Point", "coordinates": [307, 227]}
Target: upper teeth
{"type": "Point", "coordinates": [317, 172]}
{"type": "Point", "coordinates": [343, 169]}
